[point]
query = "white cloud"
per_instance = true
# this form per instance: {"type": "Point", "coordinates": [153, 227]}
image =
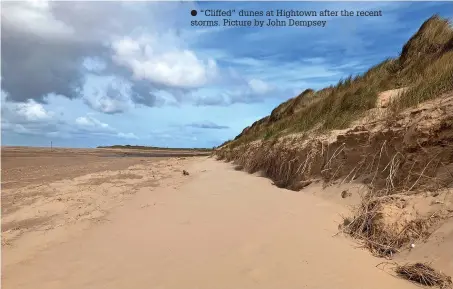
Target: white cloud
{"type": "Point", "coordinates": [106, 104]}
{"type": "Point", "coordinates": [207, 125]}
{"type": "Point", "coordinates": [127, 135]}
{"type": "Point", "coordinates": [259, 86]}
{"type": "Point", "coordinates": [152, 54]}
{"type": "Point", "coordinates": [315, 60]}
{"type": "Point", "coordinates": [163, 61]}
{"type": "Point", "coordinates": [89, 121]}
{"type": "Point", "coordinates": [54, 43]}
{"type": "Point", "coordinates": [93, 125]}
{"type": "Point", "coordinates": [32, 118]}
{"type": "Point", "coordinates": [15, 127]}
{"type": "Point", "coordinates": [108, 95]}
{"type": "Point", "coordinates": [34, 17]}
{"type": "Point", "coordinates": [32, 111]}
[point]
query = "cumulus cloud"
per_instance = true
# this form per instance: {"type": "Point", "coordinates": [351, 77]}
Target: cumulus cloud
{"type": "Point", "coordinates": [53, 45]}
{"type": "Point", "coordinates": [90, 124]}
{"type": "Point", "coordinates": [15, 127]}
{"type": "Point", "coordinates": [34, 17]}
{"type": "Point", "coordinates": [33, 118]}
{"type": "Point", "coordinates": [106, 102]}
{"type": "Point", "coordinates": [244, 91]}
{"type": "Point", "coordinates": [60, 47]}
{"type": "Point", "coordinates": [89, 121]}
{"type": "Point", "coordinates": [258, 86]}
{"type": "Point", "coordinates": [41, 50]}
{"type": "Point", "coordinates": [32, 111]}
{"type": "Point", "coordinates": [108, 95]}
{"type": "Point", "coordinates": [28, 117]}
{"type": "Point", "coordinates": [127, 135]}
{"type": "Point", "coordinates": [24, 112]}
{"type": "Point", "coordinates": [148, 58]}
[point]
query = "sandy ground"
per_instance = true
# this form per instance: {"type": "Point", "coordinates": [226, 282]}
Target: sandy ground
{"type": "Point", "coordinates": [22, 166]}
{"type": "Point", "coordinates": [216, 228]}
{"type": "Point", "coordinates": [47, 197]}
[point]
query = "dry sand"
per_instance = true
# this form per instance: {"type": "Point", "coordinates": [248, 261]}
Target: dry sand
{"type": "Point", "coordinates": [216, 228]}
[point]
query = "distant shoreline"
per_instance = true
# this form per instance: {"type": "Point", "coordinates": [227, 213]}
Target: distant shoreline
{"type": "Point", "coordinates": [153, 148]}
{"type": "Point", "coordinates": [113, 147]}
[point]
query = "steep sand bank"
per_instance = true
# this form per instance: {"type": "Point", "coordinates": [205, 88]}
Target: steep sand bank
{"type": "Point", "coordinates": [216, 228]}
{"type": "Point", "coordinates": [403, 163]}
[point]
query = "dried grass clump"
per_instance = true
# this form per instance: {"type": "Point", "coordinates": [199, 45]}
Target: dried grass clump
{"type": "Point", "coordinates": [386, 224]}
{"type": "Point", "coordinates": [424, 274]}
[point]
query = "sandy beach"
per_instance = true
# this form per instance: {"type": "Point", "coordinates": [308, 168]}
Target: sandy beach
{"type": "Point", "coordinates": [157, 149]}
{"type": "Point", "coordinates": [150, 226]}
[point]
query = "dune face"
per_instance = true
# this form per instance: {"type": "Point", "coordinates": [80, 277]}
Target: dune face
{"type": "Point", "coordinates": [422, 72]}
{"type": "Point", "coordinates": [389, 130]}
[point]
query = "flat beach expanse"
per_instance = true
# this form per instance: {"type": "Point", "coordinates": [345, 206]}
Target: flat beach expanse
{"type": "Point", "coordinates": [96, 219]}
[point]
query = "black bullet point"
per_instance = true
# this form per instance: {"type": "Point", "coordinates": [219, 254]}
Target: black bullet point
{"type": "Point", "coordinates": [193, 12]}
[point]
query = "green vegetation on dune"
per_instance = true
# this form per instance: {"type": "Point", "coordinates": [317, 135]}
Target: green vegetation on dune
{"type": "Point", "coordinates": [425, 66]}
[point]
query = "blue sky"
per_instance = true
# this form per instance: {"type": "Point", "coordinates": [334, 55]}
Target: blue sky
{"type": "Point", "coordinates": [84, 74]}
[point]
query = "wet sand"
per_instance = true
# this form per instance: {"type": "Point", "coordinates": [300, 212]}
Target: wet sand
{"type": "Point", "coordinates": [22, 166]}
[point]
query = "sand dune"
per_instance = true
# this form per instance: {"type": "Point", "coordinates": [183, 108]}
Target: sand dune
{"type": "Point", "coordinates": [216, 228]}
